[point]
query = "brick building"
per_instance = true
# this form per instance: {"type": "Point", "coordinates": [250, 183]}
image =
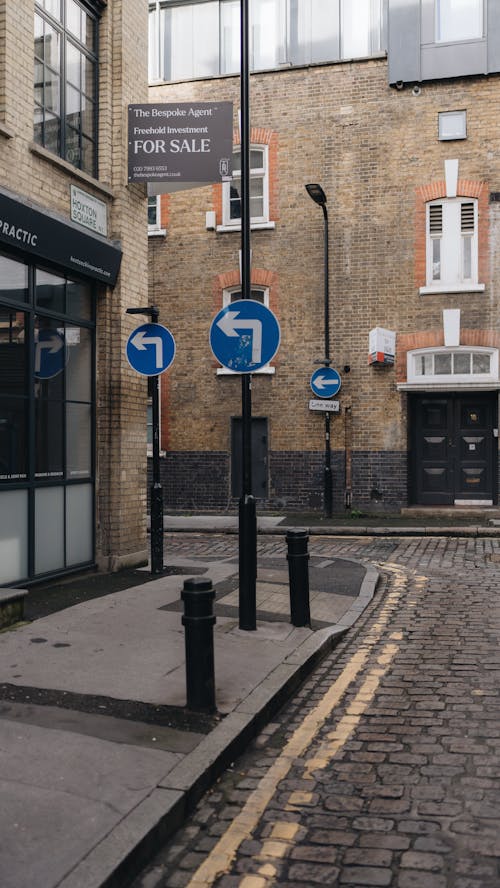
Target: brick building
{"type": "Point", "coordinates": [394, 112]}
{"type": "Point", "coordinates": [73, 257]}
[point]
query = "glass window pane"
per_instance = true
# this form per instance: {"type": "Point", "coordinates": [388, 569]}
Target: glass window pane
{"type": "Point", "coordinates": [50, 291]}
{"type": "Point", "coordinates": [153, 211]}
{"type": "Point", "coordinates": [436, 259]}
{"type": "Point", "coordinates": [51, 48]}
{"type": "Point", "coordinates": [265, 38]}
{"type": "Point", "coordinates": [79, 523]}
{"type": "Point", "coordinates": [53, 7]}
{"type": "Point", "coordinates": [461, 362]}
{"type": "Point", "coordinates": [12, 352]}
{"type": "Point", "coordinates": [13, 536]}
{"type": "Point", "coordinates": [325, 37]}
{"type": "Point", "coordinates": [78, 364]}
{"type": "Point", "coordinates": [205, 39]}
{"type": "Point", "coordinates": [52, 133]}
{"type": "Point", "coordinates": [73, 65]}
{"type": "Point", "coordinates": [442, 364]}
{"type": "Point", "coordinates": [50, 358]}
{"type": "Point", "coordinates": [13, 280]}
{"type": "Point", "coordinates": [88, 78]}
{"type": "Point", "coordinates": [78, 441]}
{"type": "Point", "coordinates": [49, 529]}
{"type": "Point", "coordinates": [234, 199]}
{"type": "Point", "coordinates": [481, 362]}
{"type": "Point", "coordinates": [230, 36]}
{"type": "Point", "coordinates": [356, 28]}
{"type": "Point", "coordinates": [459, 20]}
{"type": "Point", "coordinates": [79, 300]}
{"type": "Point", "coordinates": [13, 438]}
{"type": "Point", "coordinates": [74, 16]}
{"type": "Point", "coordinates": [256, 159]}
{"type": "Point", "coordinates": [467, 258]}
{"type": "Point", "coordinates": [73, 151]}
{"type": "Point", "coordinates": [49, 428]}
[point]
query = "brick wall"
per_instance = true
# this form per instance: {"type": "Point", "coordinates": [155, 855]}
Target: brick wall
{"type": "Point", "coordinates": [373, 149]}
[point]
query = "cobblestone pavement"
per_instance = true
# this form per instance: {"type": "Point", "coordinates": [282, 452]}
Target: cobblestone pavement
{"type": "Point", "coordinates": [384, 769]}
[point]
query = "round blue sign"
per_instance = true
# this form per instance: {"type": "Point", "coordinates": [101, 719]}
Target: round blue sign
{"type": "Point", "coordinates": [150, 349]}
{"type": "Point", "coordinates": [244, 336]}
{"type": "Point", "coordinates": [325, 382]}
{"type": "Point", "coordinates": [50, 354]}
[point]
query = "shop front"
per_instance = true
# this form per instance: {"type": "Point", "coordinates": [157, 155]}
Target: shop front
{"type": "Point", "coordinates": [51, 272]}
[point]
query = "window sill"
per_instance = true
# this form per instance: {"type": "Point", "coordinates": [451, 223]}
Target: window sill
{"type": "Point", "coordinates": [255, 226]}
{"type": "Point", "coordinates": [264, 371]}
{"type": "Point", "coordinates": [157, 232]}
{"type": "Point", "coordinates": [450, 386]}
{"type": "Point", "coordinates": [72, 170]}
{"type": "Point", "coordinates": [452, 288]}
{"type": "Point", "coordinates": [6, 132]}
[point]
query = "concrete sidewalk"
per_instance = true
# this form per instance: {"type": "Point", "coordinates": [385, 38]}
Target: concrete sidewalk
{"type": "Point", "coordinates": [100, 760]}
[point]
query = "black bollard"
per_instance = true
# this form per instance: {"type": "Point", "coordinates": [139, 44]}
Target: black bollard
{"type": "Point", "coordinates": [298, 571]}
{"type": "Point", "coordinates": [198, 595]}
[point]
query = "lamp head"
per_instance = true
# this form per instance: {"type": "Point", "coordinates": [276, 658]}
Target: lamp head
{"type": "Point", "coordinates": [317, 194]}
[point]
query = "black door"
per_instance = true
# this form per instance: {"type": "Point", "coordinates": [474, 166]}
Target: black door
{"type": "Point", "coordinates": [259, 457]}
{"type": "Point", "coordinates": [452, 448]}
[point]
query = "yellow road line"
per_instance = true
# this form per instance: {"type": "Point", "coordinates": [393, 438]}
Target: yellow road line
{"type": "Point", "coordinates": [219, 860]}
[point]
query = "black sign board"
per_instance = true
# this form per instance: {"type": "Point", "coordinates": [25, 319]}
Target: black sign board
{"type": "Point", "coordinates": [60, 242]}
{"type": "Point", "coordinates": [183, 142]}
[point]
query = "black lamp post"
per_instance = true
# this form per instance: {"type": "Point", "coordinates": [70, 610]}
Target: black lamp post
{"type": "Point", "coordinates": [317, 194]}
{"type": "Point", "coordinates": [156, 488]}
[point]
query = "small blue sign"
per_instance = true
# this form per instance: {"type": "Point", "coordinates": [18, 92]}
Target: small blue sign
{"type": "Point", "coordinates": [150, 349]}
{"type": "Point", "coordinates": [325, 382]}
{"type": "Point", "coordinates": [244, 336]}
{"type": "Point", "coordinates": [50, 354]}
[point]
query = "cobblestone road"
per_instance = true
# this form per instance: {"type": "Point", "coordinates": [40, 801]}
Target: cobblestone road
{"type": "Point", "coordinates": [384, 770]}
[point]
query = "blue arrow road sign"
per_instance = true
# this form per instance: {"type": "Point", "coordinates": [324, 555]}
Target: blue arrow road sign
{"type": "Point", "coordinates": [325, 382]}
{"type": "Point", "coordinates": [150, 349]}
{"type": "Point", "coordinates": [244, 336]}
{"type": "Point", "coordinates": [50, 354]}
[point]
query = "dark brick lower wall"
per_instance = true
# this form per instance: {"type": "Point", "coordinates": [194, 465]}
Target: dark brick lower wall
{"type": "Point", "coordinates": [200, 481]}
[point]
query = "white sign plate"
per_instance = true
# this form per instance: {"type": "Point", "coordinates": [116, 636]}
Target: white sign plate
{"type": "Point", "coordinates": [326, 406]}
{"type": "Point", "coordinates": [88, 211]}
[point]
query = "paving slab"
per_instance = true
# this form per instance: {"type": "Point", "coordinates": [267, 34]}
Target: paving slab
{"type": "Point", "coordinates": [100, 759]}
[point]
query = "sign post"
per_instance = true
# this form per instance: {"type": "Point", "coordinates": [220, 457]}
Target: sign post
{"type": "Point", "coordinates": [150, 351]}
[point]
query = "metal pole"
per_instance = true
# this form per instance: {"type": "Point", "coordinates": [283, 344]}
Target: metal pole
{"type": "Point", "coordinates": [156, 489]}
{"type": "Point", "coordinates": [328, 493]}
{"type": "Point", "coordinates": [247, 514]}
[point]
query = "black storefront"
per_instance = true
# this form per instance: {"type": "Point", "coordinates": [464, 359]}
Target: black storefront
{"type": "Point", "coordinates": [50, 274]}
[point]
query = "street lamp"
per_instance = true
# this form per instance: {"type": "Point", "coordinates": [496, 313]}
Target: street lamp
{"type": "Point", "coordinates": [317, 194]}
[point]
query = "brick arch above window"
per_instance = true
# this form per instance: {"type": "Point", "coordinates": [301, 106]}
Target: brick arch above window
{"type": "Point", "coordinates": [258, 136]}
{"type": "Point", "coordinates": [406, 342]}
{"type": "Point", "coordinates": [261, 277]}
{"type": "Point", "coordinates": [475, 189]}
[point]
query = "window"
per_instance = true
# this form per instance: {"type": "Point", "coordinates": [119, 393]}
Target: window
{"type": "Point", "coordinates": [450, 366]}
{"type": "Point", "coordinates": [260, 294]}
{"type": "Point", "coordinates": [452, 125]}
{"type": "Point", "coordinates": [458, 20]}
{"type": "Point", "coordinates": [154, 215]}
{"type": "Point", "coordinates": [202, 39]}
{"type": "Point", "coordinates": [259, 189]}
{"type": "Point", "coordinates": [452, 245]}
{"type": "Point", "coordinates": [65, 118]}
{"type": "Point", "coordinates": [47, 404]}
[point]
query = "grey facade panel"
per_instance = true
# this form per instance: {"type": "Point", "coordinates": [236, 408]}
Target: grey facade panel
{"type": "Point", "coordinates": [453, 60]}
{"type": "Point", "coordinates": [403, 39]}
{"type": "Point", "coordinates": [493, 20]}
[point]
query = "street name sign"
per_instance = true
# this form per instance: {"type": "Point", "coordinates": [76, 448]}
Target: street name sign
{"type": "Point", "coordinates": [325, 406]}
{"type": "Point", "coordinates": [325, 382]}
{"type": "Point", "coordinates": [150, 349]}
{"type": "Point", "coordinates": [244, 336]}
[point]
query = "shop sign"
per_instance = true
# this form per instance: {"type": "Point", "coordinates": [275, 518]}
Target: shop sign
{"type": "Point", "coordinates": [46, 236]}
{"type": "Point", "coordinates": [181, 142]}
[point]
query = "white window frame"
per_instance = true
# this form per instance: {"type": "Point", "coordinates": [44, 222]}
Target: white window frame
{"type": "Point", "coordinates": [450, 241]}
{"type": "Point", "coordinates": [451, 380]}
{"type": "Point", "coordinates": [256, 222]}
{"type": "Point", "coordinates": [227, 297]}
{"type": "Point", "coordinates": [155, 229]}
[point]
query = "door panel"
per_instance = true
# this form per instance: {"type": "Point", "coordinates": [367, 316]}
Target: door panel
{"type": "Point", "coordinates": [453, 447]}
